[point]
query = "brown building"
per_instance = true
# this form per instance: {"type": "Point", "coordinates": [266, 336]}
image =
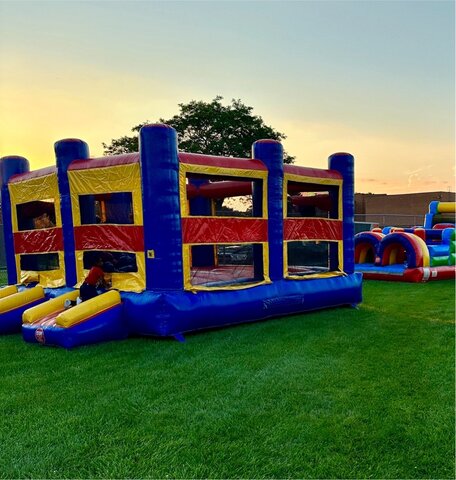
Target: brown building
{"type": "Point", "coordinates": [403, 210]}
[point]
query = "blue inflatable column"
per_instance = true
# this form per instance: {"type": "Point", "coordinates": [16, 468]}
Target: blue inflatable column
{"type": "Point", "coordinates": [270, 152]}
{"type": "Point", "coordinates": [344, 164]}
{"type": "Point", "coordinates": [10, 166]}
{"type": "Point", "coordinates": [429, 217]}
{"type": "Point", "coordinates": [161, 207]}
{"type": "Point", "coordinates": [65, 152]}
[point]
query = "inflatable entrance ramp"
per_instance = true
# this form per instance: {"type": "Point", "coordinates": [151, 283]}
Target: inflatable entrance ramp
{"type": "Point", "coordinates": [96, 320]}
{"type": "Point", "coordinates": [14, 303]}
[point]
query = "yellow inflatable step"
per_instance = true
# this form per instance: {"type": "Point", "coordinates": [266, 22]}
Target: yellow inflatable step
{"type": "Point", "coordinates": [19, 299]}
{"type": "Point", "coordinates": [7, 291]}
{"type": "Point", "coordinates": [34, 314]}
{"type": "Point", "coordinates": [88, 309]}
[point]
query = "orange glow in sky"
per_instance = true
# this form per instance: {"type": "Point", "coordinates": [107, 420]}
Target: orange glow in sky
{"type": "Point", "coordinates": [375, 79]}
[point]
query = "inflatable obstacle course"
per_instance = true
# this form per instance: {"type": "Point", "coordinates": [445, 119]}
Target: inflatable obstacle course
{"type": "Point", "coordinates": [178, 256]}
{"type": "Point", "coordinates": [410, 254]}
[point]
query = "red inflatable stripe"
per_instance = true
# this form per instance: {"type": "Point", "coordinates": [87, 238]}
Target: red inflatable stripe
{"type": "Point", "coordinates": [110, 161]}
{"type": "Point", "coordinates": [312, 172]}
{"type": "Point", "coordinates": [38, 241]}
{"type": "Point", "coordinates": [312, 229]}
{"type": "Point", "coordinates": [123, 238]}
{"type": "Point", "coordinates": [224, 230]}
{"type": "Point", "coordinates": [224, 162]}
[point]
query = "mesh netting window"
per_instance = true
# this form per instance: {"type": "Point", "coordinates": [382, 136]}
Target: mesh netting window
{"type": "Point", "coordinates": [316, 204]}
{"type": "Point", "coordinates": [112, 262]}
{"type": "Point", "coordinates": [306, 258]}
{"type": "Point", "coordinates": [233, 264]}
{"type": "Point", "coordinates": [111, 208]}
{"type": "Point", "coordinates": [236, 263]}
{"type": "Point", "coordinates": [36, 215]}
{"type": "Point", "coordinates": [223, 196]}
{"type": "Point", "coordinates": [311, 201]}
{"type": "Point", "coordinates": [39, 262]}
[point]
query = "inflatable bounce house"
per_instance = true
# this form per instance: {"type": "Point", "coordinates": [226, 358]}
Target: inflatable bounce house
{"type": "Point", "coordinates": [178, 260]}
{"type": "Point", "coordinates": [416, 254]}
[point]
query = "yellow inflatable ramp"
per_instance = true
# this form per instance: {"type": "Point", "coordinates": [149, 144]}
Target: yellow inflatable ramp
{"type": "Point", "coordinates": [51, 308]}
{"type": "Point", "coordinates": [96, 320]}
{"type": "Point", "coordinates": [7, 291]}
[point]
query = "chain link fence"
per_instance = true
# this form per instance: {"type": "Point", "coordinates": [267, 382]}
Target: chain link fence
{"type": "Point", "coordinates": [390, 220]}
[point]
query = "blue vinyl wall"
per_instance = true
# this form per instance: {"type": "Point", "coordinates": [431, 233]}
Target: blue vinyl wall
{"type": "Point", "coordinates": [161, 207]}
{"type": "Point", "coordinates": [270, 152]}
{"type": "Point", "coordinates": [344, 164]}
{"type": "Point", "coordinates": [10, 166]}
{"type": "Point", "coordinates": [65, 152]}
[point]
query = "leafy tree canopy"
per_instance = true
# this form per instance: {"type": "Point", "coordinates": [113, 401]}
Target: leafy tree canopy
{"type": "Point", "coordinates": [209, 128]}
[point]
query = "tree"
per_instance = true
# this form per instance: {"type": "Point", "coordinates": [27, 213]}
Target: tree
{"type": "Point", "coordinates": [209, 128]}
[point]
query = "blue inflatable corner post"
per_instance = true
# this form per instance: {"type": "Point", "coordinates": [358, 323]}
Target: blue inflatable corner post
{"type": "Point", "coordinates": [270, 152]}
{"type": "Point", "coordinates": [65, 152]}
{"type": "Point", "coordinates": [161, 206]}
{"type": "Point", "coordinates": [344, 164]}
{"type": "Point", "coordinates": [10, 166]}
{"type": "Point", "coordinates": [429, 217]}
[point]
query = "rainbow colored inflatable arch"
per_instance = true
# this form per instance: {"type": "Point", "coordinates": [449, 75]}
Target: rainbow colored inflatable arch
{"type": "Point", "coordinates": [176, 262]}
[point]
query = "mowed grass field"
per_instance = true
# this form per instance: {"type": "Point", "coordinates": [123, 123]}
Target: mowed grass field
{"type": "Point", "coordinates": [341, 393]}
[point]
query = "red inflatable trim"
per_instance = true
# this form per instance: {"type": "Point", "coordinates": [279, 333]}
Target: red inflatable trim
{"type": "Point", "coordinates": [224, 230]}
{"type": "Point", "coordinates": [38, 241]}
{"type": "Point", "coordinates": [122, 238]}
{"type": "Point", "coordinates": [311, 172]}
{"type": "Point", "coordinates": [225, 189]}
{"type": "Point", "coordinates": [442, 226]}
{"type": "Point", "coordinates": [225, 162]}
{"type": "Point", "coordinates": [415, 275]}
{"type": "Point", "coordinates": [101, 162]}
{"type": "Point", "coordinates": [42, 172]}
{"type": "Point", "coordinates": [312, 229]}
{"type": "Point", "coordinates": [323, 202]}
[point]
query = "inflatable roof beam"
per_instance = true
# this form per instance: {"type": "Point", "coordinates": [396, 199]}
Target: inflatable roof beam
{"type": "Point", "coordinates": [65, 152]}
{"type": "Point", "coordinates": [10, 166]}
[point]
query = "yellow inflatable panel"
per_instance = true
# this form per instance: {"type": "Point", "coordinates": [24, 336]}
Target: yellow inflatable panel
{"type": "Point", "coordinates": [9, 290]}
{"type": "Point", "coordinates": [446, 207]}
{"type": "Point", "coordinates": [88, 309]}
{"type": "Point", "coordinates": [19, 299]}
{"type": "Point", "coordinates": [54, 305]}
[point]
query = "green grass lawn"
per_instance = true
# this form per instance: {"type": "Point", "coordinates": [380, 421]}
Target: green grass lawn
{"type": "Point", "coordinates": [338, 393]}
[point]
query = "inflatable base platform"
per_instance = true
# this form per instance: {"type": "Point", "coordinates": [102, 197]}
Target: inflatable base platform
{"type": "Point", "coordinates": [400, 273]}
{"type": "Point", "coordinates": [114, 315]}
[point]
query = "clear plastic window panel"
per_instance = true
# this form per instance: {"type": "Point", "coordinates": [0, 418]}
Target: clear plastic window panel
{"type": "Point", "coordinates": [107, 208]}
{"type": "Point", "coordinates": [36, 215]}
{"type": "Point", "coordinates": [112, 262]}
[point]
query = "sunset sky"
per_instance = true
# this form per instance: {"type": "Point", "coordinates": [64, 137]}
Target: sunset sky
{"type": "Point", "coordinates": [375, 79]}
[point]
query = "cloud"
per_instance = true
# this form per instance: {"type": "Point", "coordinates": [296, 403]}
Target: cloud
{"type": "Point", "coordinates": [416, 174]}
